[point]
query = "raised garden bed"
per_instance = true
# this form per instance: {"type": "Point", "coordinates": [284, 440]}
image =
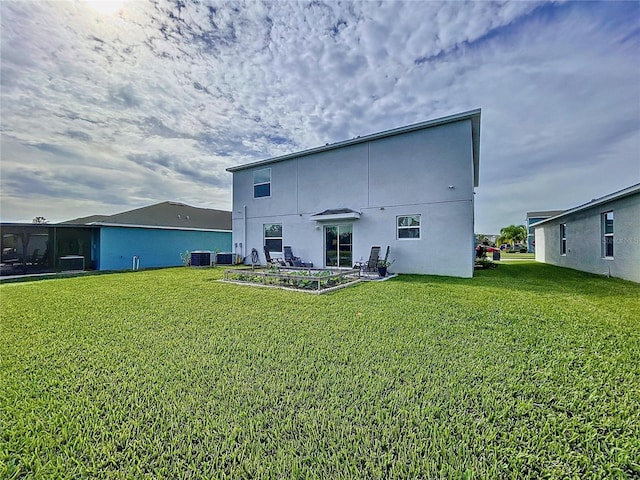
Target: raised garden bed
{"type": "Point", "coordinates": [313, 280]}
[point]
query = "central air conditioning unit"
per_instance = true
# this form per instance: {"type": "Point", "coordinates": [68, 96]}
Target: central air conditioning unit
{"type": "Point", "coordinates": [201, 258]}
{"type": "Point", "coordinates": [225, 258]}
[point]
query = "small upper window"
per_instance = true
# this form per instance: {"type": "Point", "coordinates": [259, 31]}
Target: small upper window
{"type": "Point", "coordinates": [607, 234]}
{"type": "Point", "coordinates": [262, 183]}
{"type": "Point", "coordinates": [409, 226]}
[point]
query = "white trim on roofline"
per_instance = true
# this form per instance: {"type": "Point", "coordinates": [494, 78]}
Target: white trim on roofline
{"type": "Point", "coordinates": [156, 227]}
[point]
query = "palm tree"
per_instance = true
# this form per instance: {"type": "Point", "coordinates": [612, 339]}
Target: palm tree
{"type": "Point", "coordinates": [512, 234]}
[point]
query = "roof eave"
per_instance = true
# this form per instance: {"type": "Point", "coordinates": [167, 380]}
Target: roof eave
{"type": "Point", "coordinates": [157, 227]}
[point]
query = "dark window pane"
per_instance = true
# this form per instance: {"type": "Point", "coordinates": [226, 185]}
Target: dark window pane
{"type": "Point", "coordinates": [408, 233]}
{"type": "Point", "coordinates": [608, 226]}
{"type": "Point", "coordinates": [263, 190]}
{"type": "Point", "coordinates": [608, 246]}
{"type": "Point", "coordinates": [273, 244]}
{"type": "Point", "coordinates": [345, 238]}
{"type": "Point", "coordinates": [346, 259]}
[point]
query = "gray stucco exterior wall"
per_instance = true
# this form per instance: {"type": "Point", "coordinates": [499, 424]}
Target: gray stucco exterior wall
{"type": "Point", "coordinates": [428, 172]}
{"type": "Point", "coordinates": [584, 240]}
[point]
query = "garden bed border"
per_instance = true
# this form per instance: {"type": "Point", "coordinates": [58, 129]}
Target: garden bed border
{"type": "Point", "coordinates": [266, 273]}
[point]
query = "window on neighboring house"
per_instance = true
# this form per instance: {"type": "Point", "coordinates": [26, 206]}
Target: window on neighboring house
{"type": "Point", "coordinates": [563, 239]}
{"type": "Point", "coordinates": [408, 226]}
{"type": "Point", "coordinates": [262, 183]}
{"type": "Point", "coordinates": [607, 234]}
{"type": "Point", "coordinates": [273, 237]}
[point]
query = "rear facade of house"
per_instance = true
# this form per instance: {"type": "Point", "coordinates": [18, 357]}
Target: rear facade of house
{"type": "Point", "coordinates": [602, 236]}
{"type": "Point", "coordinates": [410, 189]}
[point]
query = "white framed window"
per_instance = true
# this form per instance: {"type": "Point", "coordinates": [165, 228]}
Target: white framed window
{"type": "Point", "coordinates": [563, 239]}
{"type": "Point", "coordinates": [607, 234]}
{"type": "Point", "coordinates": [408, 226]}
{"type": "Point", "coordinates": [262, 183]}
{"type": "Point", "coordinates": [273, 237]}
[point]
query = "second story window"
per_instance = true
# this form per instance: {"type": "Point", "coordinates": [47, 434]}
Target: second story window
{"type": "Point", "coordinates": [262, 183]}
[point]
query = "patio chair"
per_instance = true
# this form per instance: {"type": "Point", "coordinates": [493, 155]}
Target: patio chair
{"type": "Point", "coordinates": [372, 263]}
{"type": "Point", "coordinates": [272, 261]}
{"type": "Point", "coordinates": [386, 256]}
{"type": "Point", "coordinates": [294, 261]}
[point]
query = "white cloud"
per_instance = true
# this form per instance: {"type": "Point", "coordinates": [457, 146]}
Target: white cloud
{"type": "Point", "coordinates": [155, 103]}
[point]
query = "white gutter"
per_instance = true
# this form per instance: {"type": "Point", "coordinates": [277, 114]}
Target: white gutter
{"type": "Point", "coordinates": [244, 245]}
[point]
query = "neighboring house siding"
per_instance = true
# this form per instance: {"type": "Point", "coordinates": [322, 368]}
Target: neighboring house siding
{"type": "Point", "coordinates": [584, 240]}
{"type": "Point", "coordinates": [535, 217]}
{"type": "Point", "coordinates": [404, 174]}
{"type": "Point", "coordinates": [531, 237]}
{"type": "Point", "coordinates": [155, 247]}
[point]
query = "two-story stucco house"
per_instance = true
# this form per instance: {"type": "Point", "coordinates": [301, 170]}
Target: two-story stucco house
{"type": "Point", "coordinates": [409, 188]}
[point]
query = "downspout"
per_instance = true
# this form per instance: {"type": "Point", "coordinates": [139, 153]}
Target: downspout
{"type": "Point", "coordinates": [244, 230]}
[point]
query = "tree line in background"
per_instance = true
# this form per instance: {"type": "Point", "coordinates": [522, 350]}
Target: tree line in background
{"type": "Point", "coordinates": [511, 235]}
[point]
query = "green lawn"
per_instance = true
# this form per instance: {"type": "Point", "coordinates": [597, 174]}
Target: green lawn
{"type": "Point", "coordinates": [517, 256]}
{"type": "Point", "coordinates": [525, 371]}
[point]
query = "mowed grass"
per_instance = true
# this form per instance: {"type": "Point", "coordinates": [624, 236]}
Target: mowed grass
{"type": "Point", "coordinates": [526, 371]}
{"type": "Point", "coordinates": [515, 256]}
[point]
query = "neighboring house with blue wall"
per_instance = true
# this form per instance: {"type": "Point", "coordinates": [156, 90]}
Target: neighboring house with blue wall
{"type": "Point", "coordinates": [156, 235]}
{"type": "Point", "coordinates": [535, 217]}
{"type": "Point", "coordinates": [601, 236]}
{"type": "Point", "coordinates": [410, 188]}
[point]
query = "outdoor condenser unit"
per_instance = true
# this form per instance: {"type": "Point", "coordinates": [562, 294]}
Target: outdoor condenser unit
{"type": "Point", "coordinates": [225, 258]}
{"type": "Point", "coordinates": [200, 258]}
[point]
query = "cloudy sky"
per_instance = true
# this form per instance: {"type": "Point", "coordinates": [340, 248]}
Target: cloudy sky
{"type": "Point", "coordinates": [108, 106]}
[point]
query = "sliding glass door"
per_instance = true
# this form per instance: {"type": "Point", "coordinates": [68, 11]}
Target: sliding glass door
{"type": "Point", "coordinates": [338, 241]}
